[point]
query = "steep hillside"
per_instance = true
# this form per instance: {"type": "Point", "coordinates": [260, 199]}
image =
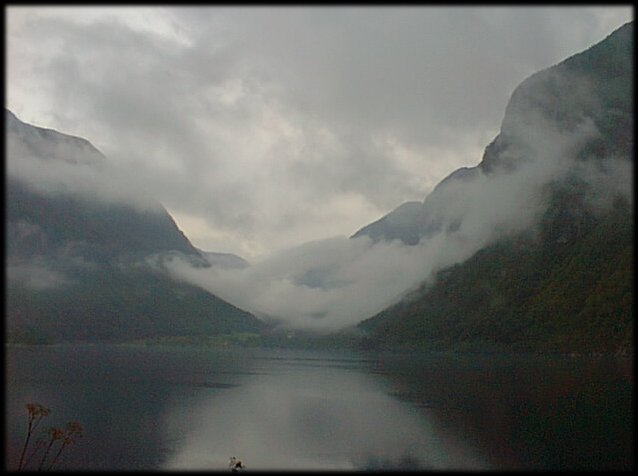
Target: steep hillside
{"type": "Point", "coordinates": [80, 267]}
{"type": "Point", "coordinates": [402, 223]}
{"type": "Point", "coordinates": [102, 230]}
{"type": "Point", "coordinates": [564, 283]}
{"type": "Point", "coordinates": [584, 102]}
{"type": "Point", "coordinates": [526, 293]}
{"type": "Point", "coordinates": [224, 260]}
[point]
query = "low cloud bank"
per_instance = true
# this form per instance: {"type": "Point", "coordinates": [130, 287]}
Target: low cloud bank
{"type": "Point", "coordinates": [53, 164]}
{"type": "Point", "coordinates": [334, 283]}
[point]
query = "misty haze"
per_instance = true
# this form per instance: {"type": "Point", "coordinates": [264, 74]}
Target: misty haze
{"type": "Point", "coordinates": [317, 238]}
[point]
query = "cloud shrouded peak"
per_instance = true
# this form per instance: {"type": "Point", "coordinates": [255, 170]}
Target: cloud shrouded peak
{"type": "Point", "coordinates": [550, 143]}
{"type": "Point", "coordinates": [265, 128]}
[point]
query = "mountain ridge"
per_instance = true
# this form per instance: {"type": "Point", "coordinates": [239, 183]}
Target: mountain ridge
{"type": "Point", "coordinates": [527, 98]}
{"type": "Point", "coordinates": [83, 268]}
{"type": "Point", "coordinates": [563, 283]}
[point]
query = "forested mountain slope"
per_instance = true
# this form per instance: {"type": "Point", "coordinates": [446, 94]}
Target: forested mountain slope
{"type": "Point", "coordinates": [565, 282]}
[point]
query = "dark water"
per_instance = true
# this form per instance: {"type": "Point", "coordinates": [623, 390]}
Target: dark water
{"type": "Point", "coordinates": [182, 409]}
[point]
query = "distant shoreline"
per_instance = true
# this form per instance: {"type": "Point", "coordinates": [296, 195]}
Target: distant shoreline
{"type": "Point", "coordinates": [376, 351]}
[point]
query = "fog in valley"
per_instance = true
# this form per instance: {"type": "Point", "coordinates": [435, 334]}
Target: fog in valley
{"type": "Point", "coordinates": [329, 284]}
{"type": "Point", "coordinates": [206, 203]}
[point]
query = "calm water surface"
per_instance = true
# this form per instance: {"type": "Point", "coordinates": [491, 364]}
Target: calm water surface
{"type": "Point", "coordinates": [191, 409]}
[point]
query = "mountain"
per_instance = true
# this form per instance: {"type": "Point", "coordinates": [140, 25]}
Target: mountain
{"type": "Point", "coordinates": [565, 281]}
{"type": "Point", "coordinates": [224, 260]}
{"type": "Point", "coordinates": [402, 223]}
{"type": "Point", "coordinates": [82, 266]}
{"type": "Point", "coordinates": [411, 222]}
{"type": "Point", "coordinates": [595, 84]}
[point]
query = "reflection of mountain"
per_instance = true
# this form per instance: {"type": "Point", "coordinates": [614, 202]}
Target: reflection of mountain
{"type": "Point", "coordinates": [523, 412]}
{"type": "Point", "coordinates": [78, 266]}
{"type": "Point", "coordinates": [565, 283]}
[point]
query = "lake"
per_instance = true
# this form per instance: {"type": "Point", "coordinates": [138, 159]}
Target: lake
{"type": "Point", "coordinates": [163, 408]}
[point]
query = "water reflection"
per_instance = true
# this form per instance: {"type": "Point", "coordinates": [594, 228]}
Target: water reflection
{"type": "Point", "coordinates": [526, 412]}
{"type": "Point", "coordinates": [314, 415]}
{"type": "Point", "coordinates": [184, 409]}
{"type": "Point", "coordinates": [119, 395]}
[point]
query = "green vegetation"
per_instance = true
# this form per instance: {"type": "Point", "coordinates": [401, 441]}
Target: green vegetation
{"type": "Point", "coordinates": [311, 340]}
{"type": "Point", "coordinates": [281, 339]}
{"type": "Point", "coordinates": [568, 290]}
{"type": "Point", "coordinates": [567, 285]}
{"type": "Point", "coordinates": [237, 339]}
{"type": "Point", "coordinates": [119, 302]}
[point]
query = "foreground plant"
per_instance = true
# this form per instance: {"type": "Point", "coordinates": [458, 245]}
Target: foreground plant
{"type": "Point", "coordinates": [62, 437]}
{"type": "Point", "coordinates": [36, 413]}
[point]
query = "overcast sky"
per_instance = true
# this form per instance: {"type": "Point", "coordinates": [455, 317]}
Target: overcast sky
{"type": "Point", "coordinates": [263, 128]}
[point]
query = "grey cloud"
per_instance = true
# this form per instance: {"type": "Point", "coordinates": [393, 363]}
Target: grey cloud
{"type": "Point", "coordinates": [262, 119]}
{"type": "Point", "coordinates": [352, 163]}
{"type": "Point", "coordinates": [57, 164]}
{"type": "Point", "coordinates": [403, 69]}
{"type": "Point", "coordinates": [147, 95]}
{"type": "Point", "coordinates": [330, 284]}
{"type": "Point", "coordinates": [36, 274]}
